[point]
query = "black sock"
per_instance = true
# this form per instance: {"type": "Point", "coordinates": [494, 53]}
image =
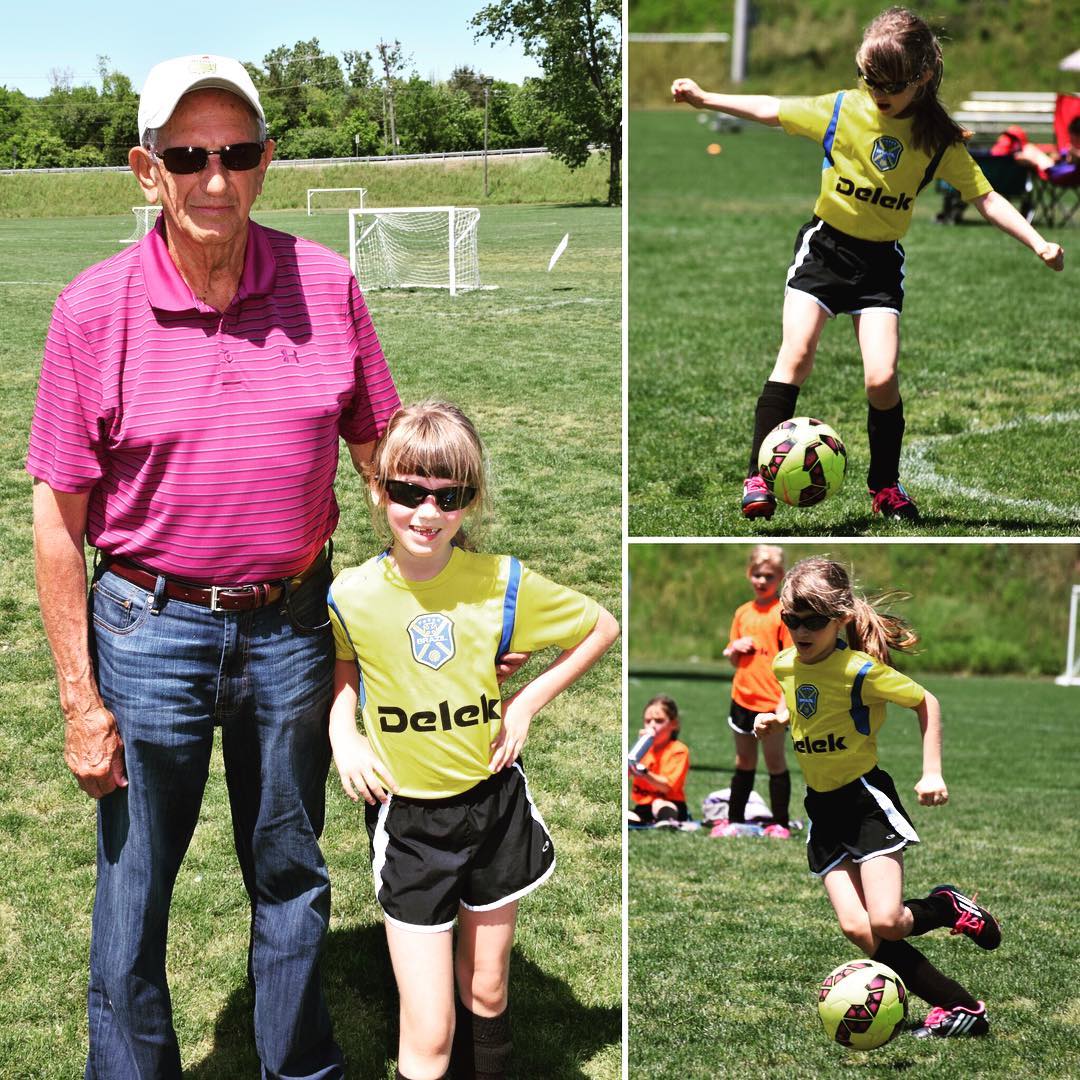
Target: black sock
{"type": "Point", "coordinates": [921, 977]}
{"type": "Point", "coordinates": [930, 914]}
{"type": "Point", "coordinates": [665, 813]}
{"type": "Point", "coordinates": [780, 796]}
{"type": "Point", "coordinates": [482, 1045]}
{"type": "Point", "coordinates": [742, 783]}
{"type": "Point", "coordinates": [885, 430]}
{"type": "Point", "coordinates": [775, 405]}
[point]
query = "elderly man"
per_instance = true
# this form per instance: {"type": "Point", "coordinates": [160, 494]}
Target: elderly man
{"type": "Point", "coordinates": [193, 391]}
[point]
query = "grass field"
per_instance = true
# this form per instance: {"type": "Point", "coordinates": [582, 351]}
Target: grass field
{"type": "Point", "coordinates": [536, 363]}
{"type": "Point", "coordinates": [988, 368]}
{"type": "Point", "coordinates": [730, 937]}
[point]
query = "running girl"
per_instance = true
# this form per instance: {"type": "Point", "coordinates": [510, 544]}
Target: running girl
{"type": "Point", "coordinates": [836, 693]}
{"type": "Point", "coordinates": [757, 635]}
{"type": "Point", "coordinates": [658, 779]}
{"type": "Point", "coordinates": [884, 142]}
{"type": "Point", "coordinates": [454, 832]}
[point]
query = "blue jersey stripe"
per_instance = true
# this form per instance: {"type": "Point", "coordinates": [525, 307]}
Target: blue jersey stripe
{"type": "Point", "coordinates": [830, 133]}
{"type": "Point", "coordinates": [345, 626]}
{"type": "Point", "coordinates": [860, 713]}
{"type": "Point", "coordinates": [510, 605]}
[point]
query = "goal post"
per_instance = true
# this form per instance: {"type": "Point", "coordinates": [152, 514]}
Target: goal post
{"type": "Point", "coordinates": [358, 191]}
{"type": "Point", "coordinates": [145, 217]}
{"type": "Point", "coordinates": [415, 247]}
{"type": "Point", "coordinates": [1071, 675]}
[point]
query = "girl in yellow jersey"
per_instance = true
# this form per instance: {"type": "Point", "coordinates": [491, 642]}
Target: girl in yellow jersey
{"type": "Point", "coordinates": [836, 692]}
{"type": "Point", "coordinates": [454, 833]}
{"type": "Point", "coordinates": [884, 142]}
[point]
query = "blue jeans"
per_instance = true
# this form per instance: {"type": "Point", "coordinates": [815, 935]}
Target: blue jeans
{"type": "Point", "coordinates": [171, 672]}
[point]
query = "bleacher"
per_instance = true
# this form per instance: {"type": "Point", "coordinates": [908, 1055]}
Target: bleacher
{"type": "Point", "coordinates": [988, 112]}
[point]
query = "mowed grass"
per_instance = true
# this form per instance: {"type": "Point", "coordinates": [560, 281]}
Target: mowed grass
{"type": "Point", "coordinates": [536, 363]}
{"type": "Point", "coordinates": [987, 367]}
{"type": "Point", "coordinates": [729, 938]}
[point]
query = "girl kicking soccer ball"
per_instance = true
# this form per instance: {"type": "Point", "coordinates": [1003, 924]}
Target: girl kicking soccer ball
{"type": "Point", "coordinates": [884, 142]}
{"type": "Point", "coordinates": [836, 692]}
{"type": "Point", "coordinates": [454, 832]}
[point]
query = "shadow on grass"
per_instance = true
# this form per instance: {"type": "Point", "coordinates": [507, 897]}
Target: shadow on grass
{"type": "Point", "coordinates": [554, 1034]}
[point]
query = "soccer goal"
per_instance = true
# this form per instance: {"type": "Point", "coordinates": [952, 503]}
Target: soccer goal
{"type": "Point", "coordinates": [1071, 676]}
{"type": "Point", "coordinates": [145, 216]}
{"type": "Point", "coordinates": [415, 247]}
{"type": "Point", "coordinates": [359, 192]}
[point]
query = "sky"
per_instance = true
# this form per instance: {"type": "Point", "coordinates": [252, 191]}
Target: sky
{"type": "Point", "coordinates": [70, 34]}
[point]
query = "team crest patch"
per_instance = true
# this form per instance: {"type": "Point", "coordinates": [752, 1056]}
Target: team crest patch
{"type": "Point", "coordinates": [806, 700]}
{"type": "Point", "coordinates": [886, 152]}
{"type": "Point", "coordinates": [432, 638]}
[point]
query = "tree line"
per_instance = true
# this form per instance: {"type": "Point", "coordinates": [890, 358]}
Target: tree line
{"type": "Point", "coordinates": [371, 102]}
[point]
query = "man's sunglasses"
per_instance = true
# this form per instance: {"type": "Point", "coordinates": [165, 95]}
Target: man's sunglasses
{"type": "Point", "coordinates": [885, 87]}
{"type": "Point", "coordinates": [446, 499]}
{"type": "Point", "coordinates": [811, 622]}
{"type": "Point", "coordinates": [185, 160]}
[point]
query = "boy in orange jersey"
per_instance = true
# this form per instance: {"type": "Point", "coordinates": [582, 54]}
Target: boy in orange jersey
{"type": "Point", "coordinates": [757, 635]}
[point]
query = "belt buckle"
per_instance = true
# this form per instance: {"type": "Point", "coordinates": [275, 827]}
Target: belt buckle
{"type": "Point", "coordinates": [214, 605]}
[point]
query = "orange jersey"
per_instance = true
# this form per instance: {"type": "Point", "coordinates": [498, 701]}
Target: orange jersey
{"type": "Point", "coordinates": [754, 685]}
{"type": "Point", "coordinates": [672, 762]}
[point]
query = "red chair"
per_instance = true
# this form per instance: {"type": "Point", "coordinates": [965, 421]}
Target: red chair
{"type": "Point", "coordinates": [1057, 189]}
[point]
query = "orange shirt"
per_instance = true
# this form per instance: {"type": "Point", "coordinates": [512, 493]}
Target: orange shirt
{"type": "Point", "coordinates": [754, 686]}
{"type": "Point", "coordinates": [672, 762]}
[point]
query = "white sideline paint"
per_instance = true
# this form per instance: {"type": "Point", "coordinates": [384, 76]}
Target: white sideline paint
{"type": "Point", "coordinates": [558, 251]}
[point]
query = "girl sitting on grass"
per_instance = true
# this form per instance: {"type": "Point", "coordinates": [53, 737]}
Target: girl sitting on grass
{"type": "Point", "coordinates": [884, 142]}
{"type": "Point", "coordinates": [836, 692]}
{"type": "Point", "coordinates": [454, 832]}
{"type": "Point", "coordinates": [658, 777]}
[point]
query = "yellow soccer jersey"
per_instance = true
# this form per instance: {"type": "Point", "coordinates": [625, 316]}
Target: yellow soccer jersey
{"type": "Point", "coordinates": [872, 172]}
{"type": "Point", "coordinates": [837, 707]}
{"type": "Point", "coordinates": [426, 652]}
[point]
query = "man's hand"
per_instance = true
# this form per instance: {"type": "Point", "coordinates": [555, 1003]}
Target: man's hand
{"type": "Point", "coordinates": [94, 751]}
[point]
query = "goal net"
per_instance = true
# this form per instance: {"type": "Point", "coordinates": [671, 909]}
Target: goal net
{"type": "Point", "coordinates": [415, 247]}
{"type": "Point", "coordinates": [145, 216]}
{"type": "Point", "coordinates": [1071, 676]}
{"type": "Point", "coordinates": [336, 199]}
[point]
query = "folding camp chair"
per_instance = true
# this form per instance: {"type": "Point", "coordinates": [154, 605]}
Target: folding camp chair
{"type": "Point", "coordinates": [1008, 177]}
{"type": "Point", "coordinates": [1057, 189]}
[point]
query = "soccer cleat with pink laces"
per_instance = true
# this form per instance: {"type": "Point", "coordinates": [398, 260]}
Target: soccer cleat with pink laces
{"type": "Point", "coordinates": [777, 832]}
{"type": "Point", "coordinates": [959, 1020]}
{"type": "Point", "coordinates": [894, 502]}
{"type": "Point", "coordinates": [976, 922]}
{"type": "Point", "coordinates": [757, 499]}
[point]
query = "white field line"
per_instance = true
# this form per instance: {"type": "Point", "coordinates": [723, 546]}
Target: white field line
{"type": "Point", "coordinates": [917, 466]}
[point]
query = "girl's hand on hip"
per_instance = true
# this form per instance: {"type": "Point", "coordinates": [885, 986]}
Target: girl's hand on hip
{"type": "Point", "coordinates": [362, 775]}
{"type": "Point", "coordinates": [506, 748]}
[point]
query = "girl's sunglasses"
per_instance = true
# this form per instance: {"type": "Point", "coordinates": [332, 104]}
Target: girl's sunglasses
{"type": "Point", "coordinates": [446, 499]}
{"type": "Point", "coordinates": [811, 622]}
{"type": "Point", "coordinates": [885, 87]}
{"type": "Point", "coordinates": [185, 160]}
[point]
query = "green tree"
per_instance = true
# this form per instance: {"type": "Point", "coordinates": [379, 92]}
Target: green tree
{"type": "Point", "coordinates": [578, 46]}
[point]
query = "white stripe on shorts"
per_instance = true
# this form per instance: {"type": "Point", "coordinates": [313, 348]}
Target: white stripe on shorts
{"type": "Point", "coordinates": [897, 820]}
{"type": "Point", "coordinates": [804, 250]}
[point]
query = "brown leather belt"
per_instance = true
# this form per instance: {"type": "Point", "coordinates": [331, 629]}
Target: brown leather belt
{"type": "Point", "coordinates": [214, 597]}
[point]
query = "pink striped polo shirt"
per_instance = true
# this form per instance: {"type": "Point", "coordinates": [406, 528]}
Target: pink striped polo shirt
{"type": "Point", "coordinates": [209, 440]}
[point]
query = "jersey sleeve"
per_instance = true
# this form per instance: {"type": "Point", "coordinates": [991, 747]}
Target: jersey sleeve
{"type": "Point", "coordinates": [807, 116]}
{"type": "Point", "coordinates": [960, 169]}
{"type": "Point", "coordinates": [550, 614]}
{"type": "Point", "coordinates": [343, 645]}
{"type": "Point", "coordinates": [884, 683]}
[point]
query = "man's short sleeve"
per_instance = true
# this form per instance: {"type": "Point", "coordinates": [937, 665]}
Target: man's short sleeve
{"type": "Point", "coordinates": [375, 398]}
{"type": "Point", "coordinates": [66, 429]}
{"type": "Point", "coordinates": [550, 614]}
{"type": "Point", "coordinates": [959, 169]}
{"type": "Point", "coordinates": [807, 116]}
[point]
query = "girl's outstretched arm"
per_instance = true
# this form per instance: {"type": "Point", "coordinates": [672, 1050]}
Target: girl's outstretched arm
{"type": "Point", "coordinates": [759, 107]}
{"type": "Point", "coordinates": [931, 787]}
{"type": "Point", "coordinates": [1000, 212]}
{"type": "Point", "coordinates": [519, 710]}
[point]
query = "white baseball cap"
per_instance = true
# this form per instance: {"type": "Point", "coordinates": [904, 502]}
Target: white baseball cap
{"type": "Point", "coordinates": [170, 80]}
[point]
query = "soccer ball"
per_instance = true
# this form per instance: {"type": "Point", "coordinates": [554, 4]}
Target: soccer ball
{"type": "Point", "coordinates": [803, 461]}
{"type": "Point", "coordinates": [862, 1004]}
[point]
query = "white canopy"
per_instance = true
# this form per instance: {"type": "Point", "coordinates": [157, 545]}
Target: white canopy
{"type": "Point", "coordinates": [1071, 62]}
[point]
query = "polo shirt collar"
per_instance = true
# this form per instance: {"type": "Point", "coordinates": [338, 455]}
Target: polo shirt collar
{"type": "Point", "coordinates": [168, 291]}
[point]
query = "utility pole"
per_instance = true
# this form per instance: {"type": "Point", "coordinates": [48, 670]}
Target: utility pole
{"type": "Point", "coordinates": [487, 89]}
{"type": "Point", "coordinates": [740, 29]}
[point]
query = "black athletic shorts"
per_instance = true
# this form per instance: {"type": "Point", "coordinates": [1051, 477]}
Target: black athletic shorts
{"type": "Point", "coordinates": [644, 811]}
{"type": "Point", "coordinates": [481, 850]}
{"type": "Point", "coordinates": [845, 275]}
{"type": "Point", "coordinates": [741, 719]}
{"type": "Point", "coordinates": [857, 821]}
